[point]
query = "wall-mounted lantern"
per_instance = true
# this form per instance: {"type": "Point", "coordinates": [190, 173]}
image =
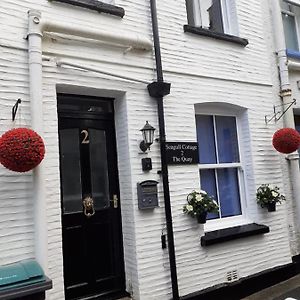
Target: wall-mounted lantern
{"type": "Point", "coordinates": [148, 136]}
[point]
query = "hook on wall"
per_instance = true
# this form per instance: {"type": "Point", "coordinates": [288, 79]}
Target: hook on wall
{"type": "Point", "coordinates": [277, 115]}
{"type": "Point", "coordinates": [15, 109]}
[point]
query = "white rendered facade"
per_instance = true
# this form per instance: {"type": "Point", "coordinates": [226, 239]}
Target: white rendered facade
{"type": "Point", "coordinates": [207, 75]}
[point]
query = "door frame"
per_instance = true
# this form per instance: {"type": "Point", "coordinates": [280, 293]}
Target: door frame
{"type": "Point", "coordinates": [102, 117]}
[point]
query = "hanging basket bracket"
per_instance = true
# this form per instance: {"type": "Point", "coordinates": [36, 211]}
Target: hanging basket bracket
{"type": "Point", "coordinates": [15, 109]}
{"type": "Point", "coordinates": [278, 113]}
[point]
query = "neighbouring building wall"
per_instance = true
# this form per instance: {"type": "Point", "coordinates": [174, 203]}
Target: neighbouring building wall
{"type": "Point", "coordinates": [202, 71]}
{"type": "Point", "coordinates": [270, 36]}
{"type": "Point", "coordinates": [17, 240]}
{"type": "Point", "coordinates": [292, 221]}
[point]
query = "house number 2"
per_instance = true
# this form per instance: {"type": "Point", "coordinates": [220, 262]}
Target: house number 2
{"type": "Point", "coordinates": [86, 137]}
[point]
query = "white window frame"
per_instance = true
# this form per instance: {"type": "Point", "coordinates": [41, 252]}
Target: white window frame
{"type": "Point", "coordinates": [111, 2]}
{"type": "Point", "coordinates": [296, 4]}
{"type": "Point", "coordinates": [242, 219]}
{"type": "Point", "coordinates": [229, 15]}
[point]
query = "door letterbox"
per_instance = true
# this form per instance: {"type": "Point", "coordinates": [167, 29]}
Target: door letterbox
{"type": "Point", "coordinates": [147, 194]}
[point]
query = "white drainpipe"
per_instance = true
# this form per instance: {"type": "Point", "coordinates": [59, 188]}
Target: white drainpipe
{"type": "Point", "coordinates": [286, 95]}
{"type": "Point", "coordinates": [35, 92]}
{"type": "Point", "coordinates": [36, 27]}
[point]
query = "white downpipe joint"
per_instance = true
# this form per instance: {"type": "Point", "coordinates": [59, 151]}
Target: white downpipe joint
{"type": "Point", "coordinates": [286, 95]}
{"type": "Point", "coordinates": [36, 106]}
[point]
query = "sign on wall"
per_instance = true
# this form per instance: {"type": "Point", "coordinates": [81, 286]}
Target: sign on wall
{"type": "Point", "coordinates": [182, 153]}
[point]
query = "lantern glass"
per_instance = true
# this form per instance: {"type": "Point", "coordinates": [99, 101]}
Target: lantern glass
{"type": "Point", "coordinates": [148, 134]}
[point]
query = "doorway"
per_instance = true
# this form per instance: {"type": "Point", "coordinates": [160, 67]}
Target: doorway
{"type": "Point", "coordinates": [91, 217]}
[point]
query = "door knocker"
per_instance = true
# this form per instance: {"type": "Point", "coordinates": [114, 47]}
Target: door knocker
{"type": "Point", "coordinates": [88, 205]}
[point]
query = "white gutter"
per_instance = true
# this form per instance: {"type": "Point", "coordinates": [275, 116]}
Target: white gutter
{"type": "Point", "coordinates": [125, 39]}
{"type": "Point", "coordinates": [36, 28]}
{"type": "Point", "coordinates": [293, 65]}
{"type": "Point", "coordinates": [286, 96]}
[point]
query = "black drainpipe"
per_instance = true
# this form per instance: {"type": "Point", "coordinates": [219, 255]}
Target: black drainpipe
{"type": "Point", "coordinates": [158, 90]}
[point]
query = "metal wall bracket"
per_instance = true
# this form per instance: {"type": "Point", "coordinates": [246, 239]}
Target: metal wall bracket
{"type": "Point", "coordinates": [277, 112]}
{"type": "Point", "coordinates": [15, 109]}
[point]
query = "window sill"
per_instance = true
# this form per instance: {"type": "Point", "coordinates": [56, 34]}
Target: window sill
{"type": "Point", "coordinates": [215, 35]}
{"type": "Point", "coordinates": [233, 233]}
{"type": "Point", "coordinates": [228, 222]}
{"type": "Point", "coordinates": [97, 6]}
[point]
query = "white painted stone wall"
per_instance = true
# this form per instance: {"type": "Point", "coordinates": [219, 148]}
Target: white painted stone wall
{"type": "Point", "coordinates": [294, 233]}
{"type": "Point", "coordinates": [201, 70]}
{"type": "Point", "coordinates": [292, 222]}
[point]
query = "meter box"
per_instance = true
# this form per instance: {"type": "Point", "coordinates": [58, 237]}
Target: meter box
{"type": "Point", "coordinates": [147, 194]}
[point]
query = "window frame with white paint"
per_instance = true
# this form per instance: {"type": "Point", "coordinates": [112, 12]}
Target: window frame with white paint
{"type": "Point", "coordinates": [198, 15]}
{"type": "Point", "coordinates": [240, 117]}
{"type": "Point", "coordinates": [290, 10]}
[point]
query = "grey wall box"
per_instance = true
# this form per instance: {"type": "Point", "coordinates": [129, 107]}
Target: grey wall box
{"type": "Point", "coordinates": [147, 194]}
{"type": "Point", "coordinates": [146, 164]}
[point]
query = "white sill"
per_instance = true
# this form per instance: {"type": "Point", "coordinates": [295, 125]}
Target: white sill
{"type": "Point", "coordinates": [217, 224]}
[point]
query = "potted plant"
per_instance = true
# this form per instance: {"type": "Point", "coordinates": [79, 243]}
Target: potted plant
{"type": "Point", "coordinates": [268, 195]}
{"type": "Point", "coordinates": [199, 204]}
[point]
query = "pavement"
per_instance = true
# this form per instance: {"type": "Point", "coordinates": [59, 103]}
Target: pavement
{"type": "Point", "coordinates": [286, 290]}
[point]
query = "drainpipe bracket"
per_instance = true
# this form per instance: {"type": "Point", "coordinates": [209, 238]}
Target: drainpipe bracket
{"type": "Point", "coordinates": [285, 93]}
{"type": "Point", "coordinates": [292, 156]}
{"type": "Point", "coordinates": [159, 89]}
{"type": "Point", "coordinates": [34, 23]}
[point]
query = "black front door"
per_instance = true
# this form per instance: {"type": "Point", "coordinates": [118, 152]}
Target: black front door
{"type": "Point", "coordinates": [92, 244]}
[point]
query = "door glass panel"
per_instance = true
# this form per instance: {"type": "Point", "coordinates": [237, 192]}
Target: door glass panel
{"type": "Point", "coordinates": [89, 105]}
{"type": "Point", "coordinates": [99, 171]}
{"type": "Point", "coordinates": [70, 170]}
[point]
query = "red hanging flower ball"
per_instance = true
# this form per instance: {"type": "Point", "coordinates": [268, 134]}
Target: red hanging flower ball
{"type": "Point", "coordinates": [21, 149]}
{"type": "Point", "coordinates": [286, 140]}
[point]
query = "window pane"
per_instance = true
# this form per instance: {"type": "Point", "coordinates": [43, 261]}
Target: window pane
{"type": "Point", "coordinates": [204, 7]}
{"type": "Point", "coordinates": [215, 16]}
{"type": "Point", "coordinates": [109, 1]}
{"type": "Point", "coordinates": [229, 192]}
{"type": "Point", "coordinates": [206, 139]}
{"type": "Point", "coordinates": [284, 5]}
{"type": "Point", "coordinates": [208, 184]}
{"type": "Point", "coordinates": [99, 171]}
{"type": "Point", "coordinates": [228, 150]}
{"type": "Point", "coordinates": [70, 170]}
{"type": "Point", "coordinates": [290, 32]}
